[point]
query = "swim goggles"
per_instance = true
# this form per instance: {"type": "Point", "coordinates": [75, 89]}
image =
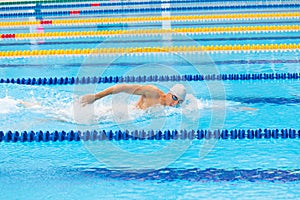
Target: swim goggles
{"type": "Point", "coordinates": [175, 98]}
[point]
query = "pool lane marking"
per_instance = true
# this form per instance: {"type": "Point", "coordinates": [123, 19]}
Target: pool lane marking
{"type": "Point", "coordinates": [66, 4]}
{"type": "Point", "coordinates": [54, 6]}
{"type": "Point", "coordinates": [74, 2]}
{"type": "Point", "coordinates": [187, 18]}
{"type": "Point", "coordinates": [207, 176]}
{"type": "Point", "coordinates": [18, 43]}
{"type": "Point", "coordinates": [109, 33]}
{"type": "Point", "coordinates": [102, 135]}
{"type": "Point", "coordinates": [125, 26]}
{"type": "Point", "coordinates": [146, 50]}
{"type": "Point", "coordinates": [177, 64]}
{"type": "Point", "coordinates": [185, 9]}
{"type": "Point", "coordinates": [152, 78]}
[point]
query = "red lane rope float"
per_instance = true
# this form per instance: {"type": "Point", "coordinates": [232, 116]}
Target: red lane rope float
{"type": "Point", "coordinates": [95, 4]}
{"type": "Point", "coordinates": [75, 12]}
{"type": "Point", "coordinates": [8, 36]}
{"type": "Point", "coordinates": [46, 22]}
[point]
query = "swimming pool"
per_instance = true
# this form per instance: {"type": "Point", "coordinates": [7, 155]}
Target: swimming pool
{"type": "Point", "coordinates": [235, 137]}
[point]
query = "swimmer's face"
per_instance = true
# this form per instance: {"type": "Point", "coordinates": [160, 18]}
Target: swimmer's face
{"type": "Point", "coordinates": [173, 100]}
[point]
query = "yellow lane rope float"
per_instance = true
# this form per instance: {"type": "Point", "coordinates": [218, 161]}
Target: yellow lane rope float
{"type": "Point", "coordinates": [72, 22]}
{"type": "Point", "coordinates": [138, 50]}
{"type": "Point", "coordinates": [109, 33]}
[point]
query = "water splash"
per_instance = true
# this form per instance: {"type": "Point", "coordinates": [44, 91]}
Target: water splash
{"type": "Point", "coordinates": [71, 111]}
{"type": "Point", "coordinates": [8, 105]}
{"type": "Point", "coordinates": [65, 107]}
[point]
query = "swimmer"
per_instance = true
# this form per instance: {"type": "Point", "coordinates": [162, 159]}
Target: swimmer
{"type": "Point", "coordinates": [150, 95]}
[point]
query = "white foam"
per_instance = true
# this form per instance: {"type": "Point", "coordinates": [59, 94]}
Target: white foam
{"type": "Point", "coordinates": [103, 111]}
{"type": "Point", "coordinates": [8, 105]}
{"type": "Point", "coordinates": [61, 106]}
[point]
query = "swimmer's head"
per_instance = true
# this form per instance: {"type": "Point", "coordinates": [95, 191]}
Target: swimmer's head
{"type": "Point", "coordinates": [178, 92]}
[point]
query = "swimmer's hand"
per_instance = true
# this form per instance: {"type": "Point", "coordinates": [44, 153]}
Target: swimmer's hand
{"type": "Point", "coordinates": [87, 99]}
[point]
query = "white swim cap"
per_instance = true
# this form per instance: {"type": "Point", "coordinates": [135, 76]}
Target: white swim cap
{"type": "Point", "coordinates": [179, 91]}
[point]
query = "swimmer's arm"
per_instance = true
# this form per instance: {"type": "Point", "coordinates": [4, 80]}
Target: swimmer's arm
{"type": "Point", "coordinates": [28, 104]}
{"type": "Point", "coordinates": [145, 90]}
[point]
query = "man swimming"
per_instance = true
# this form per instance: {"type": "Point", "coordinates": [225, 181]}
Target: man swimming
{"type": "Point", "coordinates": [150, 95]}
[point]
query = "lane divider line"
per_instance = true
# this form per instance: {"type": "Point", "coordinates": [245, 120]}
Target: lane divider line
{"type": "Point", "coordinates": [237, 48]}
{"type": "Point", "coordinates": [117, 3]}
{"type": "Point", "coordinates": [110, 33]}
{"type": "Point", "coordinates": [94, 135]}
{"type": "Point", "coordinates": [154, 19]}
{"type": "Point", "coordinates": [152, 78]}
{"type": "Point", "coordinates": [69, 4]}
{"type": "Point", "coordinates": [147, 10]}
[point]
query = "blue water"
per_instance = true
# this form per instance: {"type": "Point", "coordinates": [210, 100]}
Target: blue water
{"type": "Point", "coordinates": [152, 169]}
{"type": "Point", "coordinates": [234, 169]}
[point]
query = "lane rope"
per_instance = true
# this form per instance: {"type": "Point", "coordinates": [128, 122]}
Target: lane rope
{"type": "Point", "coordinates": [146, 10]}
{"type": "Point", "coordinates": [110, 33]}
{"type": "Point", "coordinates": [154, 19]}
{"type": "Point", "coordinates": [152, 78]}
{"type": "Point", "coordinates": [237, 48]}
{"type": "Point", "coordinates": [127, 3]}
{"type": "Point", "coordinates": [225, 134]}
{"type": "Point", "coordinates": [43, 5]}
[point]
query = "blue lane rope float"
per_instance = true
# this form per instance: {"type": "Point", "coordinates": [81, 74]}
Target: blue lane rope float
{"type": "Point", "coordinates": [154, 78]}
{"type": "Point", "coordinates": [235, 134]}
{"type": "Point", "coordinates": [124, 3]}
{"type": "Point", "coordinates": [107, 4]}
{"type": "Point", "coordinates": [147, 10]}
{"type": "Point", "coordinates": [61, 5]}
